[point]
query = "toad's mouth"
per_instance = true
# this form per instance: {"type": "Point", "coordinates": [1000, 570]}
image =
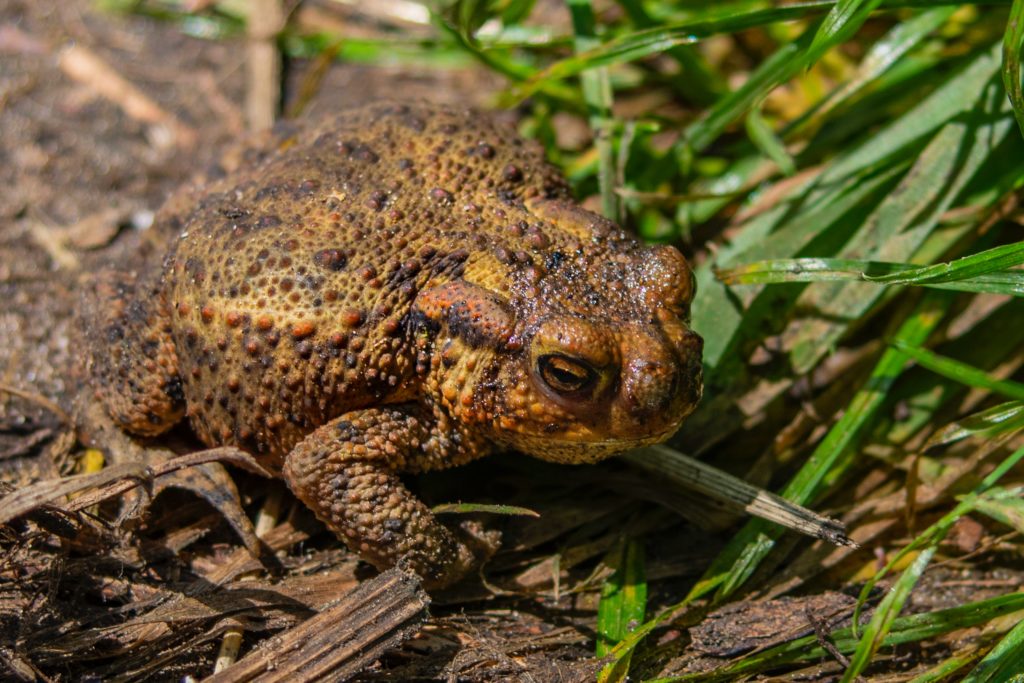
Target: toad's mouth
{"type": "Point", "coordinates": [583, 448]}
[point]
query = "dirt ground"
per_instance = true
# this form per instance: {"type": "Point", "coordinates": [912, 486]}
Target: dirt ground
{"type": "Point", "coordinates": [85, 599]}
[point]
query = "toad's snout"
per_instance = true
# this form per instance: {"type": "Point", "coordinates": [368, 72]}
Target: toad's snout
{"type": "Point", "coordinates": [662, 384]}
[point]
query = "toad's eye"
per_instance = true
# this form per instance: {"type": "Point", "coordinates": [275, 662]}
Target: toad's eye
{"type": "Point", "coordinates": [566, 375]}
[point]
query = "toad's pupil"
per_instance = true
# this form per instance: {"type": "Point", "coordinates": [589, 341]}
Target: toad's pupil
{"type": "Point", "coordinates": [563, 374]}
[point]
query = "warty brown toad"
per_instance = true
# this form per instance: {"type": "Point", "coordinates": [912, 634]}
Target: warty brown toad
{"type": "Point", "coordinates": [400, 288]}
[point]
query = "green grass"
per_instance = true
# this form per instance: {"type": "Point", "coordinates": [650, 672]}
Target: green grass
{"type": "Point", "coordinates": [844, 174]}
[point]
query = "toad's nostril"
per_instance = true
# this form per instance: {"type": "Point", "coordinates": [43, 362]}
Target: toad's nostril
{"type": "Point", "coordinates": [693, 343]}
{"type": "Point", "coordinates": [673, 387]}
{"type": "Point", "coordinates": [650, 386]}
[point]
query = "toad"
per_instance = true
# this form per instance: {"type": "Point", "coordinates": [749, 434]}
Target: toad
{"type": "Point", "coordinates": [396, 289]}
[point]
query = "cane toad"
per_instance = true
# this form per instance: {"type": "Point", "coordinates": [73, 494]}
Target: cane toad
{"type": "Point", "coordinates": [396, 289]}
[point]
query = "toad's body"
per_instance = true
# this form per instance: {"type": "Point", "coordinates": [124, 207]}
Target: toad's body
{"type": "Point", "coordinates": [400, 289]}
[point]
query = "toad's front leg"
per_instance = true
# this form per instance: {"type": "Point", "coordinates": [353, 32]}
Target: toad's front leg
{"type": "Point", "coordinates": [347, 473]}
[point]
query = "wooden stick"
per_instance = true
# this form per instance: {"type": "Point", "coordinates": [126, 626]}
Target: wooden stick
{"type": "Point", "coordinates": [343, 639]}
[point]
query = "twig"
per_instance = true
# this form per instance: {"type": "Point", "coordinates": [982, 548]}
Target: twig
{"type": "Point", "coordinates": [821, 632]}
{"type": "Point", "coordinates": [265, 20]}
{"type": "Point", "coordinates": [86, 67]}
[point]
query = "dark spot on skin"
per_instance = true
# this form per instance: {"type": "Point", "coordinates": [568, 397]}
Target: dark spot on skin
{"type": "Point", "coordinates": [512, 173]}
{"type": "Point", "coordinates": [358, 151]}
{"type": "Point", "coordinates": [553, 260]}
{"type": "Point", "coordinates": [483, 150]}
{"type": "Point", "coordinates": [441, 196]}
{"type": "Point", "coordinates": [412, 122]}
{"type": "Point", "coordinates": [233, 213]}
{"type": "Point", "coordinates": [194, 268]}
{"type": "Point", "coordinates": [346, 430]}
{"type": "Point", "coordinates": [377, 200]}
{"type": "Point", "coordinates": [537, 239]}
{"type": "Point", "coordinates": [264, 222]}
{"type": "Point", "coordinates": [175, 390]}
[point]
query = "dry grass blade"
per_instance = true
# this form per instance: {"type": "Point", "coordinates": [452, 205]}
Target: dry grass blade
{"type": "Point", "coordinates": [227, 454]}
{"type": "Point", "coordinates": [340, 641]}
{"type": "Point", "coordinates": [40, 401]}
{"type": "Point", "coordinates": [737, 494]}
{"type": "Point", "coordinates": [28, 498]}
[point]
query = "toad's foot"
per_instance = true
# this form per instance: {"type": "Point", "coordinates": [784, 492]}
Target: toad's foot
{"type": "Point", "coordinates": [346, 471]}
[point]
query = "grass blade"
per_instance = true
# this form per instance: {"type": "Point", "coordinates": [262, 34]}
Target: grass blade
{"type": "Point", "coordinates": [986, 271]}
{"type": "Point", "coordinates": [960, 372]}
{"type": "Point", "coordinates": [883, 618]}
{"type": "Point", "coordinates": [639, 44]}
{"type": "Point", "coordinates": [697, 81]}
{"type": "Point", "coordinates": [765, 139]}
{"type": "Point", "coordinates": [840, 23]}
{"type": "Point", "coordinates": [734, 493]}
{"type": "Point", "coordinates": [623, 597]}
{"type": "Point", "coordinates": [597, 93]}
{"type": "Point", "coordinates": [984, 262]}
{"type": "Point", "coordinates": [948, 667]}
{"type": "Point", "coordinates": [785, 271]}
{"type": "Point", "coordinates": [1013, 39]}
{"type": "Point", "coordinates": [1004, 662]}
{"type": "Point", "coordinates": [782, 65]}
{"type": "Point", "coordinates": [1004, 506]}
{"type": "Point", "coordinates": [991, 422]}
{"type": "Point", "coordinates": [885, 53]}
{"type": "Point", "coordinates": [931, 536]}
{"type": "Point", "coordinates": [467, 508]}
{"type": "Point", "coordinates": [735, 564]}
{"type": "Point", "coordinates": [897, 228]}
